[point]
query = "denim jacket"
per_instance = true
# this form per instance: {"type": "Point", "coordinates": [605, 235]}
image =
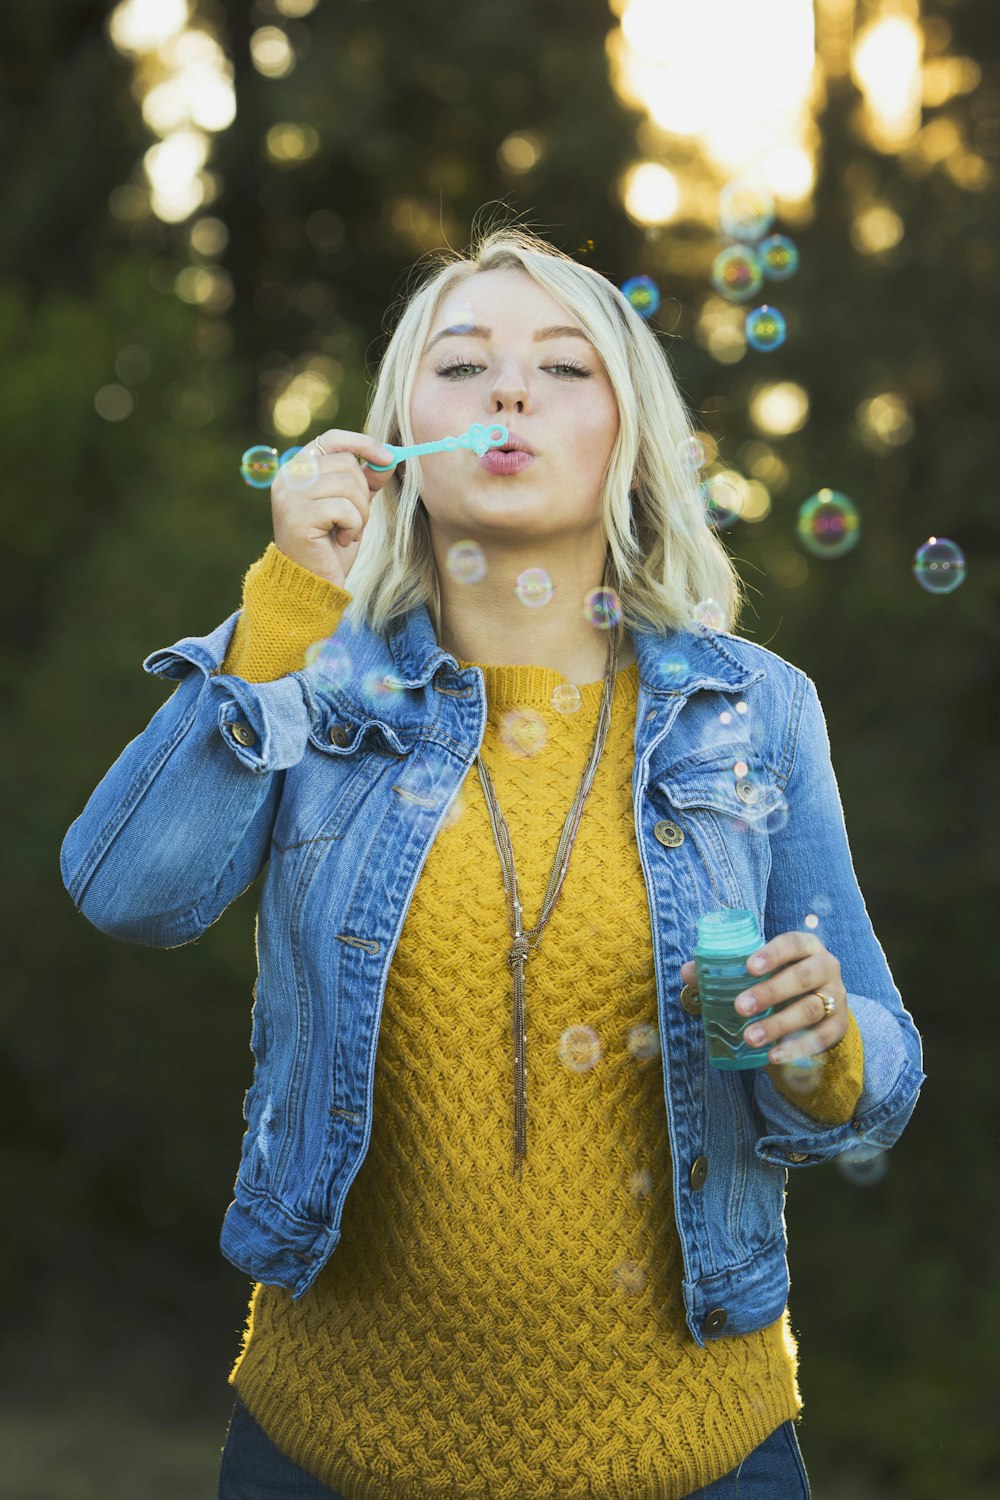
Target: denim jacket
{"type": "Point", "coordinates": [340, 791]}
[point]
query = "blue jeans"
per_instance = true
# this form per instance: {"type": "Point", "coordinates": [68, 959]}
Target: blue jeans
{"type": "Point", "coordinates": [253, 1469]}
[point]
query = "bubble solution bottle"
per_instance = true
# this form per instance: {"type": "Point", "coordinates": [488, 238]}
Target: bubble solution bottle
{"type": "Point", "coordinates": [726, 940]}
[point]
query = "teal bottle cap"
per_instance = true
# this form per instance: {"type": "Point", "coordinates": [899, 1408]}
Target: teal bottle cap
{"type": "Point", "coordinates": [728, 933]}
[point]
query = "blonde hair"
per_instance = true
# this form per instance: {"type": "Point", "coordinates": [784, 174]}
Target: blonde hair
{"type": "Point", "coordinates": [662, 555]}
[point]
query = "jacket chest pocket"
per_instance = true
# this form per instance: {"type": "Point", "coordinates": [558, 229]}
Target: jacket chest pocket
{"type": "Point", "coordinates": [324, 793]}
{"type": "Point", "coordinates": [727, 809]}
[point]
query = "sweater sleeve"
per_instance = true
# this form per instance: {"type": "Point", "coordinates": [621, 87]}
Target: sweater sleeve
{"type": "Point", "coordinates": [832, 1097]}
{"type": "Point", "coordinates": [286, 609]}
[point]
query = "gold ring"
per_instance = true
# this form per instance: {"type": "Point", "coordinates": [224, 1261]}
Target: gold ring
{"type": "Point", "coordinates": [829, 1003]}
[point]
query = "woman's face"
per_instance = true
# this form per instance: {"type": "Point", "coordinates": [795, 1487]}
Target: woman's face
{"type": "Point", "coordinates": [552, 391]}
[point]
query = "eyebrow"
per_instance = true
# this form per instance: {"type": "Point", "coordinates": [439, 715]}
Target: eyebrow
{"type": "Point", "coordinates": [477, 331]}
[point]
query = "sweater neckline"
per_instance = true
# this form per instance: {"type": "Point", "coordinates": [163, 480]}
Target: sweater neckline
{"type": "Point", "coordinates": [533, 687]}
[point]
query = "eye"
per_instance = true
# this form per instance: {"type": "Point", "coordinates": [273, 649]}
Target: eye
{"type": "Point", "coordinates": [565, 364]}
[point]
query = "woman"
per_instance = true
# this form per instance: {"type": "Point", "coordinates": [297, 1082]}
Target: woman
{"type": "Point", "coordinates": [561, 1268]}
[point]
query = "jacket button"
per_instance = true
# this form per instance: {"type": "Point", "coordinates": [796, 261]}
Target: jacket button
{"type": "Point", "coordinates": [690, 1001]}
{"type": "Point", "coordinates": [339, 735]}
{"type": "Point", "coordinates": [715, 1322]}
{"type": "Point", "coordinates": [243, 734]}
{"type": "Point", "coordinates": [668, 833]}
{"type": "Point", "coordinates": [746, 791]}
{"type": "Point", "coordinates": [699, 1171]}
{"type": "Point", "coordinates": [798, 1156]}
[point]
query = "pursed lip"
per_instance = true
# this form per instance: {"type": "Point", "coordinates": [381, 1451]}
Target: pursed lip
{"type": "Point", "coordinates": [514, 440]}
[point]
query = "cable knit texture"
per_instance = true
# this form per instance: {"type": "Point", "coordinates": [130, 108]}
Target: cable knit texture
{"type": "Point", "coordinates": [470, 1335]}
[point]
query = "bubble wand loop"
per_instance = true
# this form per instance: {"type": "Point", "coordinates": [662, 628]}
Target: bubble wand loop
{"type": "Point", "coordinates": [478, 437]}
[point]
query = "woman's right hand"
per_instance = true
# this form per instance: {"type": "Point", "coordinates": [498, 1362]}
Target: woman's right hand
{"type": "Point", "coordinates": [319, 522]}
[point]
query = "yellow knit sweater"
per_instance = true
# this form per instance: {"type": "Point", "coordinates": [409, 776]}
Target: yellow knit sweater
{"type": "Point", "coordinates": [472, 1335]}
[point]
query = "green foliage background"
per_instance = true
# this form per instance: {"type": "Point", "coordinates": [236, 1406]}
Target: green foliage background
{"type": "Point", "coordinates": [124, 1068]}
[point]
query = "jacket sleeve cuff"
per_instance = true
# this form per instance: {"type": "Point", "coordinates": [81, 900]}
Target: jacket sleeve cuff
{"type": "Point", "coordinates": [829, 1085]}
{"type": "Point", "coordinates": [790, 1136]}
{"type": "Point", "coordinates": [286, 609]}
{"type": "Point", "coordinates": [265, 725]}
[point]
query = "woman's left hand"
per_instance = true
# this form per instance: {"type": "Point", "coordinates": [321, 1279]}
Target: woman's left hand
{"type": "Point", "coordinates": [801, 966]}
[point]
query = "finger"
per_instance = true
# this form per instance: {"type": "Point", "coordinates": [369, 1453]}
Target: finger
{"type": "Point", "coordinates": [338, 478]}
{"type": "Point", "coordinates": [799, 1015]}
{"type": "Point", "coordinates": [689, 973]}
{"type": "Point", "coordinates": [365, 449]}
{"type": "Point", "coordinates": [797, 979]}
{"type": "Point", "coordinates": [781, 950]}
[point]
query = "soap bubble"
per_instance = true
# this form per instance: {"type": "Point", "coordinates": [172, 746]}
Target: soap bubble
{"type": "Point", "coordinates": [863, 1165]}
{"type": "Point", "coordinates": [803, 1075]}
{"type": "Point", "coordinates": [765, 329]}
{"type": "Point", "coordinates": [288, 453]}
{"type": "Point", "coordinates": [691, 453]}
{"type": "Point", "coordinates": [737, 274]}
{"type": "Point", "coordinates": [644, 1041]}
{"type": "Point", "coordinates": [631, 1277]}
{"type": "Point", "coordinates": [380, 687]}
{"type": "Point", "coordinates": [566, 698]}
{"type": "Point", "coordinates": [828, 524]}
{"type": "Point", "coordinates": [643, 293]}
{"type": "Point", "coordinates": [779, 257]}
{"type": "Point", "coordinates": [939, 566]}
{"type": "Point", "coordinates": [602, 608]}
{"type": "Point", "coordinates": [259, 465]}
{"type": "Point", "coordinates": [746, 210]}
{"type": "Point", "coordinates": [466, 562]}
{"type": "Point", "coordinates": [523, 732]}
{"type": "Point", "coordinates": [709, 613]}
{"type": "Point", "coordinates": [329, 665]}
{"type": "Point", "coordinates": [455, 811]}
{"type": "Point", "coordinates": [300, 467]}
{"type": "Point", "coordinates": [579, 1048]}
{"type": "Point", "coordinates": [640, 1183]}
{"type": "Point", "coordinates": [723, 501]}
{"type": "Point", "coordinates": [534, 587]}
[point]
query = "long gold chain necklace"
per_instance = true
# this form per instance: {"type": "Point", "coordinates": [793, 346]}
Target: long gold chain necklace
{"type": "Point", "coordinates": [523, 941]}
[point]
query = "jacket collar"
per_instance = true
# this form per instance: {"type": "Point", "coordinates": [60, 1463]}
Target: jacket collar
{"type": "Point", "coordinates": [674, 662]}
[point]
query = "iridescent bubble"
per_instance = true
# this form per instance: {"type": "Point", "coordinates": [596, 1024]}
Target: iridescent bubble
{"type": "Point", "coordinates": [579, 1048]}
{"type": "Point", "coordinates": [691, 453]}
{"type": "Point", "coordinates": [776, 817]}
{"type": "Point", "coordinates": [765, 329]}
{"type": "Point", "coordinates": [301, 467]}
{"type": "Point", "coordinates": [466, 562]}
{"type": "Point", "coordinates": [523, 732]}
{"type": "Point", "coordinates": [380, 687]}
{"type": "Point", "coordinates": [863, 1165]}
{"type": "Point", "coordinates": [330, 666]}
{"type": "Point", "coordinates": [631, 1277]}
{"type": "Point", "coordinates": [802, 1075]}
{"type": "Point", "coordinates": [828, 524]}
{"type": "Point", "coordinates": [288, 453]}
{"type": "Point", "coordinates": [709, 613]}
{"type": "Point", "coordinates": [644, 1041]}
{"type": "Point", "coordinates": [737, 274]}
{"type": "Point", "coordinates": [534, 587]}
{"type": "Point", "coordinates": [723, 502]}
{"type": "Point", "coordinates": [455, 811]}
{"type": "Point", "coordinates": [643, 293]}
{"type": "Point", "coordinates": [566, 698]}
{"type": "Point", "coordinates": [939, 565]}
{"type": "Point", "coordinates": [746, 210]}
{"type": "Point", "coordinates": [640, 1183]}
{"type": "Point", "coordinates": [259, 465]}
{"type": "Point", "coordinates": [779, 257]}
{"type": "Point", "coordinates": [602, 608]}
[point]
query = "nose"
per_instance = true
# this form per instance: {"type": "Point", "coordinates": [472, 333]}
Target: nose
{"type": "Point", "coordinates": [510, 391]}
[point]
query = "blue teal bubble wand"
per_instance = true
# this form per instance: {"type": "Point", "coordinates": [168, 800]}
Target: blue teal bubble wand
{"type": "Point", "coordinates": [481, 439]}
{"type": "Point", "coordinates": [260, 464]}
